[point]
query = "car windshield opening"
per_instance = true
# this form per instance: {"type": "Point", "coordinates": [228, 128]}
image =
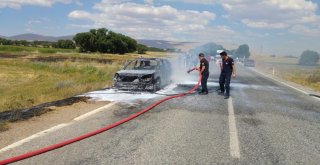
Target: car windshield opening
{"type": "Point", "coordinates": [141, 65]}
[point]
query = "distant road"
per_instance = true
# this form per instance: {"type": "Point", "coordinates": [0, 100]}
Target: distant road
{"type": "Point", "coordinates": [264, 123]}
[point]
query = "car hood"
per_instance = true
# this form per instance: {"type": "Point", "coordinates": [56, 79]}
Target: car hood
{"type": "Point", "coordinates": [135, 72]}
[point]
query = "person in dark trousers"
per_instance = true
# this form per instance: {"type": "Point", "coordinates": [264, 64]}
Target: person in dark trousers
{"type": "Point", "coordinates": [204, 71]}
{"type": "Point", "coordinates": [228, 69]}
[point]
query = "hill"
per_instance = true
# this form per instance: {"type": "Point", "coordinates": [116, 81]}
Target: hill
{"type": "Point", "coordinates": [34, 37]}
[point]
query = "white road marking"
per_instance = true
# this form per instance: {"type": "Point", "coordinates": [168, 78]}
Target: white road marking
{"type": "Point", "coordinates": [54, 128]}
{"type": "Point", "coordinates": [39, 134]}
{"type": "Point", "coordinates": [234, 141]}
{"type": "Point", "coordinates": [94, 111]}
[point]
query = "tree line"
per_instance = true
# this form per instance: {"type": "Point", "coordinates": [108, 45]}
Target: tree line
{"type": "Point", "coordinates": [64, 44]}
{"type": "Point", "coordinates": [96, 40]}
{"type": "Point", "coordinates": [212, 48]}
{"type": "Point", "coordinates": [243, 51]}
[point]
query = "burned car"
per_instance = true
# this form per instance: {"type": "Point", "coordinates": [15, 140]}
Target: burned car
{"type": "Point", "coordinates": [149, 74]}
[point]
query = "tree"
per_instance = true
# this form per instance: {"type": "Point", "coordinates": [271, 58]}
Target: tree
{"type": "Point", "coordinates": [153, 49]}
{"type": "Point", "coordinates": [65, 44]}
{"type": "Point", "coordinates": [4, 41]}
{"type": "Point", "coordinates": [104, 41]}
{"type": "Point", "coordinates": [86, 41]}
{"type": "Point", "coordinates": [232, 52]}
{"type": "Point", "coordinates": [142, 49]}
{"type": "Point", "coordinates": [120, 46]}
{"type": "Point", "coordinates": [24, 42]}
{"type": "Point", "coordinates": [36, 43]}
{"type": "Point", "coordinates": [103, 46]}
{"type": "Point", "coordinates": [243, 51]}
{"type": "Point", "coordinates": [102, 33]}
{"type": "Point", "coordinates": [309, 57]}
{"type": "Point", "coordinates": [132, 44]}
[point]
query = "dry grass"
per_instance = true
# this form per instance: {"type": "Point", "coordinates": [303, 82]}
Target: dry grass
{"type": "Point", "coordinates": [11, 49]}
{"type": "Point", "coordinates": [54, 52]}
{"type": "Point", "coordinates": [288, 69]}
{"type": "Point", "coordinates": [102, 56]}
{"type": "Point", "coordinates": [24, 83]}
{"type": "Point", "coordinates": [310, 79]}
{"type": "Point", "coordinates": [277, 59]}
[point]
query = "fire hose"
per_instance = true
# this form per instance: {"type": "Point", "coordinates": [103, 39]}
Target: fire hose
{"type": "Point", "coordinates": [103, 129]}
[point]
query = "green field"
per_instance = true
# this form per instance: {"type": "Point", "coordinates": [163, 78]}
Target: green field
{"type": "Point", "coordinates": [26, 49]}
{"type": "Point", "coordinates": [288, 69]}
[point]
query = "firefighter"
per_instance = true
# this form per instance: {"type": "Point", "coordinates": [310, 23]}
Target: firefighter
{"type": "Point", "coordinates": [204, 71]}
{"type": "Point", "coordinates": [228, 69]}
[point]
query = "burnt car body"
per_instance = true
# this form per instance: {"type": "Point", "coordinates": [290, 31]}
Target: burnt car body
{"type": "Point", "coordinates": [149, 74]}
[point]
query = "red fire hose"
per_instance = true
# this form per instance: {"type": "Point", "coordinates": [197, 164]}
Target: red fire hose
{"type": "Point", "coordinates": [70, 141]}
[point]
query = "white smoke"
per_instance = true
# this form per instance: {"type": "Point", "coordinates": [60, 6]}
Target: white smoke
{"type": "Point", "coordinates": [180, 65]}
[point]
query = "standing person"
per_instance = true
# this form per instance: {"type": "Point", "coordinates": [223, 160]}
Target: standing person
{"type": "Point", "coordinates": [204, 71]}
{"type": "Point", "coordinates": [228, 69]}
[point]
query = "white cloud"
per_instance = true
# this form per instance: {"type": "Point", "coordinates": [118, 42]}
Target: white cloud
{"type": "Point", "coordinates": [256, 35]}
{"type": "Point", "coordinates": [200, 1]}
{"type": "Point", "coordinates": [38, 23]}
{"type": "Point", "coordinates": [16, 4]}
{"type": "Point", "coordinates": [148, 2]}
{"type": "Point", "coordinates": [144, 20]}
{"type": "Point", "coordinates": [262, 24]}
{"type": "Point", "coordinates": [297, 15]}
{"type": "Point", "coordinates": [294, 4]}
{"type": "Point", "coordinates": [81, 14]}
{"type": "Point", "coordinates": [270, 23]}
{"type": "Point", "coordinates": [217, 34]}
{"type": "Point", "coordinates": [28, 30]}
{"type": "Point", "coordinates": [271, 13]}
{"type": "Point", "coordinates": [78, 2]}
{"type": "Point", "coordinates": [305, 30]}
{"type": "Point", "coordinates": [33, 22]}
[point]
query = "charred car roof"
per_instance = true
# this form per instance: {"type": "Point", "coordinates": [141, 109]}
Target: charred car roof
{"type": "Point", "coordinates": [138, 72]}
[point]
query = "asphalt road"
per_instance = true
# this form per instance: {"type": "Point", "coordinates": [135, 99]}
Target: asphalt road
{"type": "Point", "coordinates": [272, 124]}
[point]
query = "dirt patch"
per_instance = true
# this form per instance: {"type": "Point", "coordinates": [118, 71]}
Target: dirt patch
{"type": "Point", "coordinates": [4, 126]}
{"type": "Point", "coordinates": [11, 56]}
{"type": "Point", "coordinates": [64, 114]}
{"type": "Point", "coordinates": [57, 59]}
{"type": "Point", "coordinates": [72, 59]}
{"type": "Point", "coordinates": [38, 110]}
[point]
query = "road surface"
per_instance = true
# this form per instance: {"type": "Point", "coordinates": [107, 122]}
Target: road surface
{"type": "Point", "coordinates": [264, 122]}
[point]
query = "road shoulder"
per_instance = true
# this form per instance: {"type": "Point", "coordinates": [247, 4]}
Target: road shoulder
{"type": "Point", "coordinates": [22, 129]}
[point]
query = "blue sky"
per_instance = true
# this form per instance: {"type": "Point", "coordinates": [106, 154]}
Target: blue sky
{"type": "Point", "coordinates": [284, 27]}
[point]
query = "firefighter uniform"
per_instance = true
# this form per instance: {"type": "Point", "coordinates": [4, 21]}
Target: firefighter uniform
{"type": "Point", "coordinates": [225, 76]}
{"type": "Point", "coordinates": [205, 75]}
